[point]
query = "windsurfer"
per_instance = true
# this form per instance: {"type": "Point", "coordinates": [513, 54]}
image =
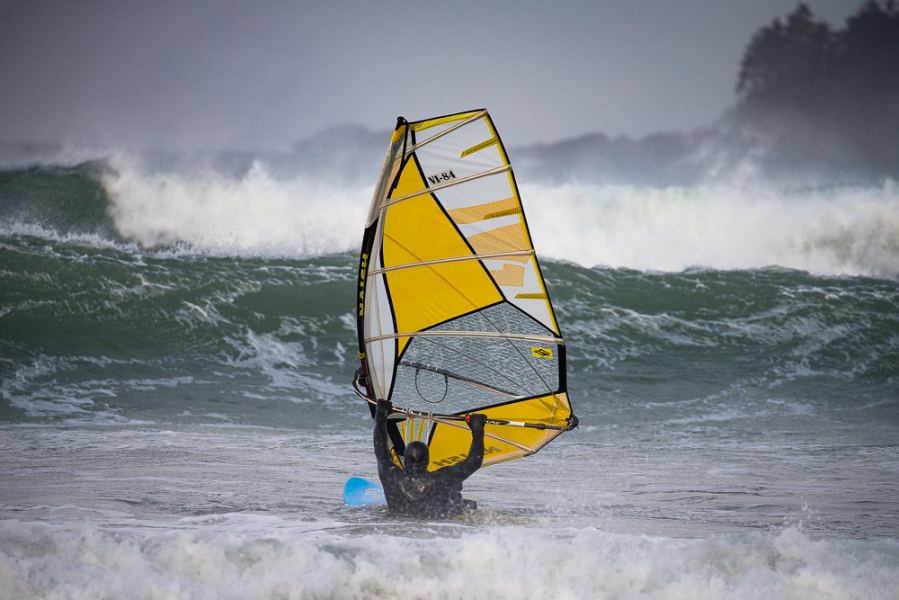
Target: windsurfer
{"type": "Point", "coordinates": [414, 491]}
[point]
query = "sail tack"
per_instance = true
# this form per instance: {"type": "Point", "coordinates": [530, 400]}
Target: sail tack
{"type": "Point", "coordinates": [453, 312]}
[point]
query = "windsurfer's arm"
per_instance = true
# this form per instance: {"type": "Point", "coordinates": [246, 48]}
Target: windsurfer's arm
{"type": "Point", "coordinates": [475, 456]}
{"type": "Point", "coordinates": [385, 461]}
{"type": "Point", "coordinates": [360, 379]}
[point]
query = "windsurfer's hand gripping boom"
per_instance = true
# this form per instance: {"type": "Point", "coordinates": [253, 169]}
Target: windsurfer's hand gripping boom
{"type": "Point", "coordinates": [476, 422]}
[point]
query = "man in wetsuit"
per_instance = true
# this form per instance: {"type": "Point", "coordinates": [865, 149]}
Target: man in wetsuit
{"type": "Point", "coordinates": [412, 490]}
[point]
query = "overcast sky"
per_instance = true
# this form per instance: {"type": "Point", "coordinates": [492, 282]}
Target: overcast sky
{"type": "Point", "coordinates": [260, 75]}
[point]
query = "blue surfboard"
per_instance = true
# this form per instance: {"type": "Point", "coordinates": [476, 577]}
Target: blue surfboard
{"type": "Point", "coordinates": [359, 492]}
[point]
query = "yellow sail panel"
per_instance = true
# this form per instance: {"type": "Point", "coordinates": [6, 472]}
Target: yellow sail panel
{"type": "Point", "coordinates": [426, 296]}
{"type": "Point", "coordinates": [415, 231]}
{"type": "Point", "coordinates": [429, 123]}
{"type": "Point", "coordinates": [449, 443]}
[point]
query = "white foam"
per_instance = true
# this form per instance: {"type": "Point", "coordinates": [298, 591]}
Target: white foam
{"type": "Point", "coordinates": [256, 214]}
{"type": "Point", "coordinates": [834, 231]}
{"type": "Point", "coordinates": [44, 232]}
{"type": "Point", "coordinates": [838, 230]}
{"type": "Point", "coordinates": [35, 389]}
{"type": "Point", "coordinates": [265, 557]}
{"type": "Point", "coordinates": [284, 364]}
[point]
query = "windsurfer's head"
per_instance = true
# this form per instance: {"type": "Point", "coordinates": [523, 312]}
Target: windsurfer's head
{"type": "Point", "coordinates": [415, 458]}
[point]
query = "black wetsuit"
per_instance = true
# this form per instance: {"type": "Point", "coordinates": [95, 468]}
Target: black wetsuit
{"type": "Point", "coordinates": [437, 494]}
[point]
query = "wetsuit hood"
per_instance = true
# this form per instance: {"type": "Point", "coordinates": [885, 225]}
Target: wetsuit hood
{"type": "Point", "coordinates": [415, 458]}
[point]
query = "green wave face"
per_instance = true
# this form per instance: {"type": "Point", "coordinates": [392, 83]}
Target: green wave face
{"type": "Point", "coordinates": [113, 333]}
{"type": "Point", "coordinates": [66, 200]}
{"type": "Point", "coordinates": [95, 327]}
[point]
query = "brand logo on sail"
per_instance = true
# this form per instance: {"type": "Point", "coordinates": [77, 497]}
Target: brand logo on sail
{"type": "Point", "coordinates": [451, 460]}
{"type": "Point", "coordinates": [539, 352]}
{"type": "Point", "coordinates": [441, 177]}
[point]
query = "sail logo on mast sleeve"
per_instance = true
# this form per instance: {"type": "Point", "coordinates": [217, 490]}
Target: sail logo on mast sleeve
{"type": "Point", "coordinates": [363, 264]}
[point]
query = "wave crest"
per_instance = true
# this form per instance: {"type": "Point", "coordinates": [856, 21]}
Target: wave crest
{"type": "Point", "coordinates": [255, 214]}
{"type": "Point", "coordinates": [837, 230]}
{"type": "Point", "coordinates": [830, 231]}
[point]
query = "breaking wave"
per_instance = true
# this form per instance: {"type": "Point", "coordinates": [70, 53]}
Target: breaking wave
{"type": "Point", "coordinates": [828, 231]}
{"type": "Point", "coordinates": [824, 230]}
{"type": "Point", "coordinates": [248, 556]}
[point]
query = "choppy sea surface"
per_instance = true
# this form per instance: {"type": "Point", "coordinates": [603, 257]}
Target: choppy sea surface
{"type": "Point", "coordinates": [176, 419]}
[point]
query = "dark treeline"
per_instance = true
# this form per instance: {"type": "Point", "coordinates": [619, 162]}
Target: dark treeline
{"type": "Point", "coordinates": [814, 105]}
{"type": "Point", "coordinates": [825, 97]}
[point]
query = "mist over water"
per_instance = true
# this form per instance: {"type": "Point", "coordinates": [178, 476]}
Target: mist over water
{"type": "Point", "coordinates": [176, 419]}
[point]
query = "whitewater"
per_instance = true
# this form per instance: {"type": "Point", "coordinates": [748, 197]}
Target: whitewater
{"type": "Point", "coordinates": [176, 420]}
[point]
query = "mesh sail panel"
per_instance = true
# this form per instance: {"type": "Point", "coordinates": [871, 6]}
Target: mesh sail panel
{"type": "Point", "coordinates": [460, 373]}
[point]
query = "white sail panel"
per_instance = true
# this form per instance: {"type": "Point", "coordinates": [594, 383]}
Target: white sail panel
{"type": "Point", "coordinates": [465, 151]}
{"type": "Point", "coordinates": [476, 192]}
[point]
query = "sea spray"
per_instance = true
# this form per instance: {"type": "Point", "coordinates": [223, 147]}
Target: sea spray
{"type": "Point", "coordinates": [253, 214]}
{"type": "Point", "coordinates": [831, 231]}
{"type": "Point", "coordinates": [827, 230]}
{"type": "Point", "coordinates": [836, 230]}
{"type": "Point", "coordinates": [235, 556]}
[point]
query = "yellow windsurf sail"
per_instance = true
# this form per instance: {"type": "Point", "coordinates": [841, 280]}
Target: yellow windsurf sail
{"type": "Point", "coordinates": [453, 313]}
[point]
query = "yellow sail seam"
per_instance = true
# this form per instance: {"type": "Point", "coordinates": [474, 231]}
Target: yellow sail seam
{"type": "Point", "coordinates": [502, 213]}
{"type": "Point", "coordinates": [481, 212]}
{"type": "Point", "coordinates": [434, 122]}
{"type": "Point", "coordinates": [478, 147]}
{"type": "Point", "coordinates": [440, 134]}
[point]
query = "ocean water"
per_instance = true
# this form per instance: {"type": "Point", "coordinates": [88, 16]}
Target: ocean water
{"type": "Point", "coordinates": [176, 419]}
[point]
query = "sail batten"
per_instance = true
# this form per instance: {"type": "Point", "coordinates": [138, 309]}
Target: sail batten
{"type": "Point", "coordinates": [454, 316]}
{"type": "Point", "coordinates": [441, 186]}
{"type": "Point", "coordinates": [426, 263]}
{"type": "Point", "coordinates": [490, 334]}
{"type": "Point", "coordinates": [448, 130]}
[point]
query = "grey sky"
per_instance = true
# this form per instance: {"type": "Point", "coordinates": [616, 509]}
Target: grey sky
{"type": "Point", "coordinates": [263, 74]}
